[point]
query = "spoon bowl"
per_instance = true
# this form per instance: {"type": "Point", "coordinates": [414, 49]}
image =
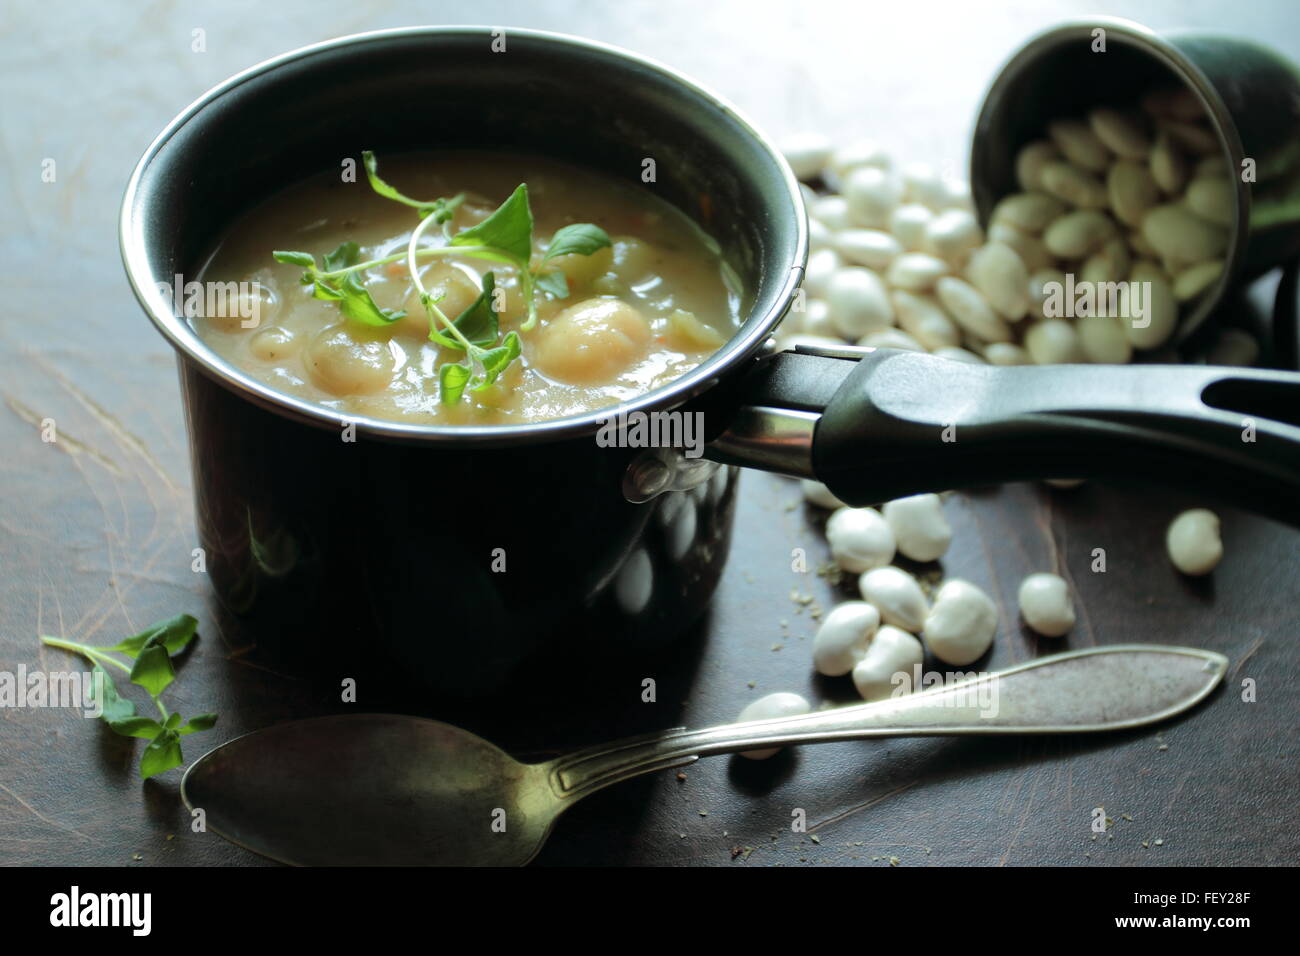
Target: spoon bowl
{"type": "Point", "coordinates": [356, 790]}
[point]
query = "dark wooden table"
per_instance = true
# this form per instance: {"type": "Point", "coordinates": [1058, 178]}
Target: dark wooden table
{"type": "Point", "coordinates": [96, 529]}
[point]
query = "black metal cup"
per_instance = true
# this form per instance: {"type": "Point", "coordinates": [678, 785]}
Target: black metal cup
{"type": "Point", "coordinates": [1250, 94]}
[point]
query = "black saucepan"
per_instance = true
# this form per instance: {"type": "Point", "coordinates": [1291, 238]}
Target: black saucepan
{"type": "Point", "coordinates": [316, 541]}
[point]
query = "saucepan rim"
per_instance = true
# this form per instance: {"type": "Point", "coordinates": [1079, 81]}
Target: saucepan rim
{"type": "Point", "coordinates": [746, 342]}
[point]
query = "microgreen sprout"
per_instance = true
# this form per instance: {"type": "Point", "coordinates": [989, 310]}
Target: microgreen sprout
{"type": "Point", "coordinates": [150, 655]}
{"type": "Point", "coordinates": [505, 237]}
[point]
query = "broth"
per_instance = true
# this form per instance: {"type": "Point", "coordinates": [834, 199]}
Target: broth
{"type": "Point", "coordinates": [639, 313]}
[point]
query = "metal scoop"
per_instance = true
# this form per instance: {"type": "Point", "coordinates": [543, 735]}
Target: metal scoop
{"type": "Point", "coordinates": [380, 789]}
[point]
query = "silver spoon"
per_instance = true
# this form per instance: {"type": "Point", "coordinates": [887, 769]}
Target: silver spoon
{"type": "Point", "coordinates": [380, 789]}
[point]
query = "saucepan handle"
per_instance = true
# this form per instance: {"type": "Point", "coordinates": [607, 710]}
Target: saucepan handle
{"type": "Point", "coordinates": [895, 423]}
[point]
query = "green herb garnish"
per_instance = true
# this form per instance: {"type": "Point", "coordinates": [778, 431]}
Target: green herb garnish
{"type": "Point", "coordinates": [150, 653]}
{"type": "Point", "coordinates": [505, 237]}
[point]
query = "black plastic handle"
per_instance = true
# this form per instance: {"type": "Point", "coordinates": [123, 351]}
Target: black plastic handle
{"type": "Point", "coordinates": [906, 422]}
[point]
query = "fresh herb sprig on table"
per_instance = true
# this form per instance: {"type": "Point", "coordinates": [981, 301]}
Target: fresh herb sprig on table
{"type": "Point", "coordinates": [150, 653]}
{"type": "Point", "coordinates": [505, 237]}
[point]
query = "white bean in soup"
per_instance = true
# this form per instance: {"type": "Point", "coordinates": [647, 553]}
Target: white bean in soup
{"type": "Point", "coordinates": [641, 310]}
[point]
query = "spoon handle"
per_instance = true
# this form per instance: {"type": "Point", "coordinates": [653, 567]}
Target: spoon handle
{"type": "Point", "coordinates": [1103, 688]}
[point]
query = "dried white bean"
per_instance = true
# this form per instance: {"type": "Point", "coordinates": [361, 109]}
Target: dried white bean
{"type": "Point", "coordinates": [969, 310]}
{"type": "Point", "coordinates": [820, 235]}
{"type": "Point", "coordinates": [953, 235]}
{"type": "Point", "coordinates": [1076, 186]}
{"type": "Point", "coordinates": [1194, 280]}
{"type": "Point", "coordinates": [1160, 308]}
{"type": "Point", "coordinates": [924, 319]}
{"type": "Point", "coordinates": [891, 339]}
{"type": "Point", "coordinates": [922, 184]}
{"type": "Point", "coordinates": [769, 707]}
{"type": "Point", "coordinates": [860, 539]}
{"type": "Point", "coordinates": [957, 194]}
{"type": "Point", "coordinates": [1181, 235]}
{"type": "Point", "coordinates": [858, 302]}
{"type": "Point", "coordinates": [960, 626]}
{"type": "Point", "coordinates": [868, 247]}
{"type": "Point", "coordinates": [1110, 263]}
{"type": "Point", "coordinates": [916, 271]}
{"type": "Point", "coordinates": [842, 639]}
{"type": "Point", "coordinates": [1045, 604]}
{"type": "Point", "coordinates": [892, 657]}
{"type": "Point", "coordinates": [1029, 248]}
{"type": "Point", "coordinates": [1193, 541]}
{"type": "Point", "coordinates": [1214, 199]}
{"type": "Point", "coordinates": [818, 494]}
{"type": "Point", "coordinates": [872, 196]}
{"type": "Point", "coordinates": [908, 223]}
{"type": "Point", "coordinates": [1132, 190]}
{"type": "Point", "coordinates": [1006, 353]}
{"type": "Point", "coordinates": [854, 156]}
{"type": "Point", "coordinates": [822, 265]}
{"type": "Point", "coordinates": [921, 532]}
{"type": "Point", "coordinates": [831, 211]}
{"type": "Point", "coordinates": [1168, 165]}
{"type": "Point", "coordinates": [807, 154]}
{"type": "Point", "coordinates": [1053, 342]}
{"type": "Point", "coordinates": [999, 274]}
{"type": "Point", "coordinates": [1102, 340]}
{"type": "Point", "coordinates": [816, 319]}
{"type": "Point", "coordinates": [1078, 234]}
{"type": "Point", "coordinates": [896, 595]}
{"type": "Point", "coordinates": [1030, 161]}
{"type": "Point", "coordinates": [1124, 134]}
{"type": "Point", "coordinates": [1080, 144]}
{"type": "Point", "coordinates": [1041, 283]}
{"type": "Point", "coordinates": [1029, 212]}
{"type": "Point", "coordinates": [954, 354]}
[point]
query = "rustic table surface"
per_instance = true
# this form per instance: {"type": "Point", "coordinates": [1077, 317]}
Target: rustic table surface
{"type": "Point", "coordinates": [96, 529]}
